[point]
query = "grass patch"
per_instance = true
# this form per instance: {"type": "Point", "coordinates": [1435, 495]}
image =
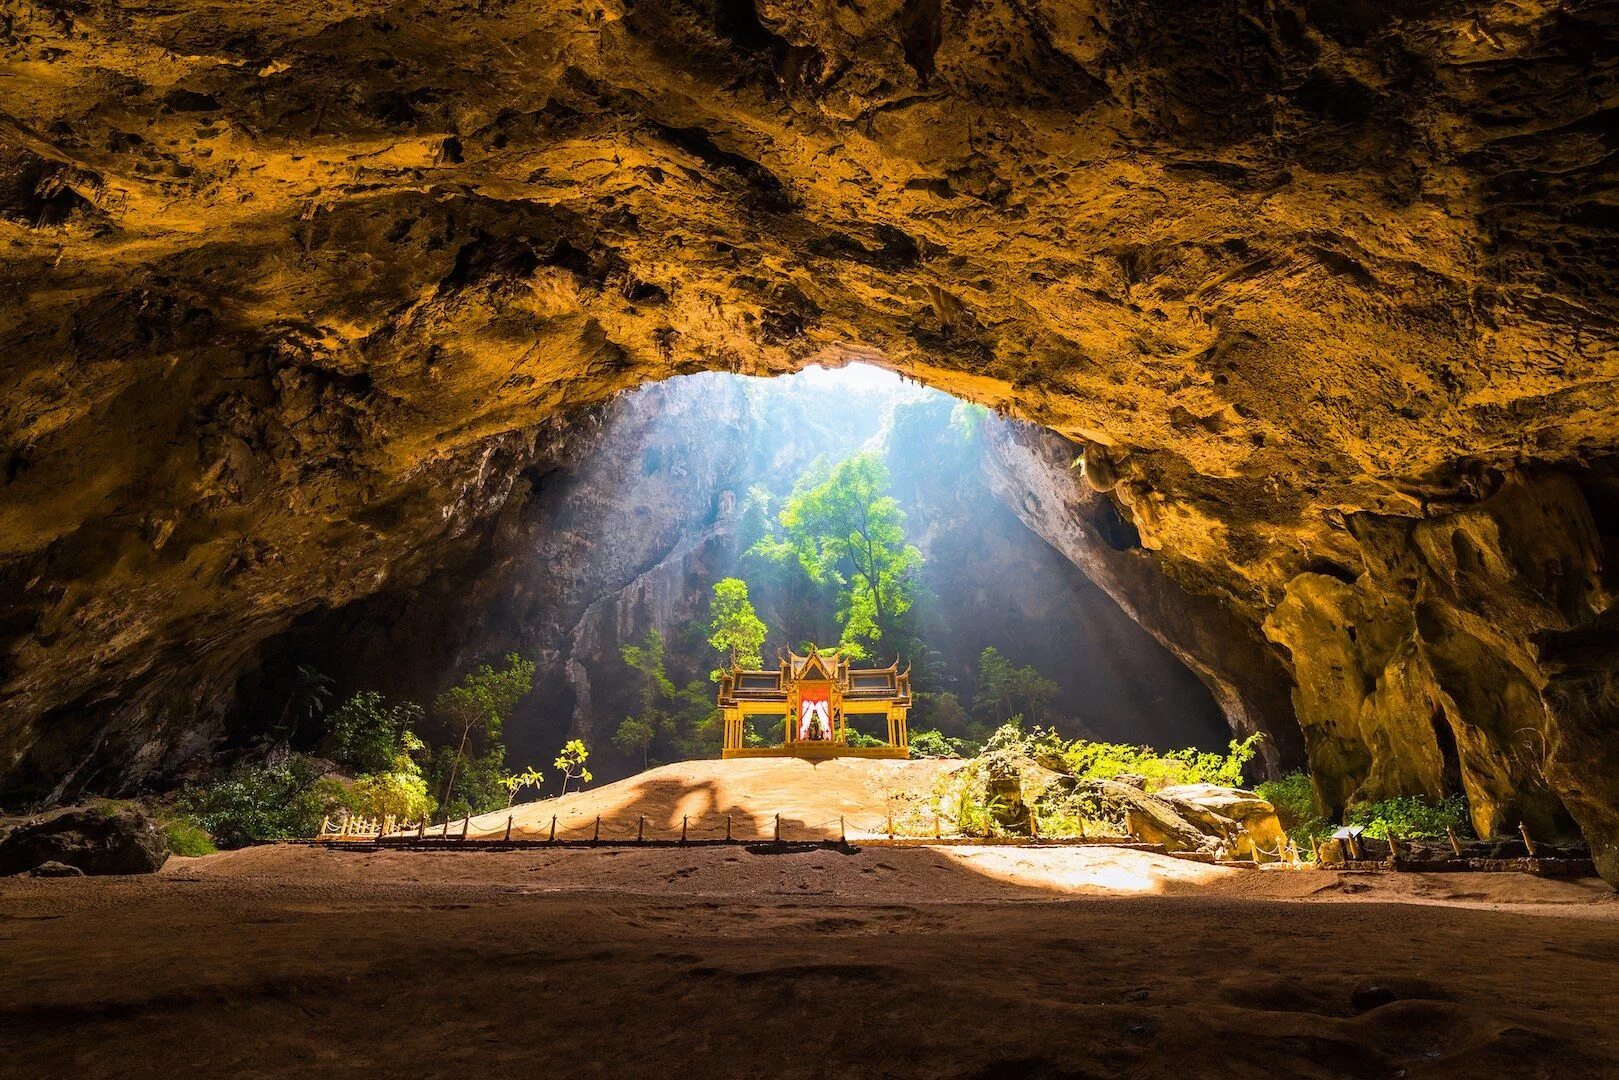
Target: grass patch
{"type": "Point", "coordinates": [188, 838]}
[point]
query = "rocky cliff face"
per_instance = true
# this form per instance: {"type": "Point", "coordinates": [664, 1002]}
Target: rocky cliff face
{"type": "Point", "coordinates": [630, 531]}
{"type": "Point", "coordinates": [1325, 290]}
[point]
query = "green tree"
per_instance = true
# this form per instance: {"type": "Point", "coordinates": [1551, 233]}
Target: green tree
{"type": "Point", "coordinates": [367, 731]}
{"type": "Point", "coordinates": [846, 528]}
{"type": "Point", "coordinates": [636, 733]}
{"type": "Point", "coordinates": [734, 628]}
{"type": "Point", "coordinates": [399, 789]}
{"type": "Point", "coordinates": [572, 763]}
{"type": "Point", "coordinates": [1005, 689]}
{"type": "Point", "coordinates": [476, 709]}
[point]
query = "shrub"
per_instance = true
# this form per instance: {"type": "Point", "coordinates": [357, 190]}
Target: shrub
{"type": "Point", "coordinates": [367, 731]}
{"type": "Point", "coordinates": [1293, 796]}
{"type": "Point", "coordinates": [1088, 760]}
{"type": "Point", "coordinates": [932, 743]}
{"type": "Point", "coordinates": [399, 791]}
{"type": "Point", "coordinates": [263, 801]}
{"type": "Point", "coordinates": [1412, 816]}
{"type": "Point", "coordinates": [187, 838]}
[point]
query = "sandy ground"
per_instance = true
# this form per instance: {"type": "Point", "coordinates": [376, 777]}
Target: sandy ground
{"type": "Point", "coordinates": [810, 798]}
{"type": "Point", "coordinates": [750, 961]}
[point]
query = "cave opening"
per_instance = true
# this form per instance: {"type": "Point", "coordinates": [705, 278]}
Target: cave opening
{"type": "Point", "coordinates": [616, 542]}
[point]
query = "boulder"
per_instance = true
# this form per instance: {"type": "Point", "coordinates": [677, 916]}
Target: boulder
{"type": "Point", "coordinates": [1241, 819]}
{"type": "Point", "coordinates": [1154, 820]}
{"type": "Point", "coordinates": [92, 840]}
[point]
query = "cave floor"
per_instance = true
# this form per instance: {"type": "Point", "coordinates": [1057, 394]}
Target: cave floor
{"type": "Point", "coordinates": [733, 962]}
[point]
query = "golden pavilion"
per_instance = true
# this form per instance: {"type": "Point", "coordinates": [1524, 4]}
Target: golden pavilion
{"type": "Point", "coordinates": [812, 697]}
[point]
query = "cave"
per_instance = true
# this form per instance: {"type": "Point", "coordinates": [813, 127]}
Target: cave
{"type": "Point", "coordinates": [376, 340]}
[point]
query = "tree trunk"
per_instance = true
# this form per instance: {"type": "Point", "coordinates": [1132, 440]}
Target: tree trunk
{"type": "Point", "coordinates": [455, 767]}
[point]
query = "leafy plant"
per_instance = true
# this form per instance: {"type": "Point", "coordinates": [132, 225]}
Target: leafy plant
{"type": "Point", "coordinates": [185, 837]}
{"type": "Point", "coordinates": [572, 763]}
{"type": "Point", "coordinates": [310, 691]}
{"type": "Point", "coordinates": [930, 743]}
{"type": "Point", "coordinates": [476, 709]}
{"type": "Point", "coordinates": [1005, 689]}
{"type": "Point", "coordinates": [529, 777]}
{"type": "Point", "coordinates": [366, 732]}
{"type": "Point", "coordinates": [1412, 816]}
{"type": "Point", "coordinates": [734, 628]}
{"type": "Point", "coordinates": [398, 790]}
{"type": "Point", "coordinates": [260, 802]}
{"type": "Point", "coordinates": [1293, 796]}
{"type": "Point", "coordinates": [635, 734]}
{"type": "Point", "coordinates": [847, 529]}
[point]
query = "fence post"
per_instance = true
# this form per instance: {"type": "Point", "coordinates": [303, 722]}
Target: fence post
{"type": "Point", "coordinates": [1528, 841]}
{"type": "Point", "coordinates": [682, 828]}
{"type": "Point", "coordinates": [421, 828]}
{"type": "Point", "coordinates": [727, 827]}
{"type": "Point", "coordinates": [553, 828]}
{"type": "Point", "coordinates": [508, 826]}
{"type": "Point", "coordinates": [465, 822]}
{"type": "Point", "coordinates": [778, 828]}
{"type": "Point", "coordinates": [325, 823]}
{"type": "Point", "coordinates": [843, 833]}
{"type": "Point", "coordinates": [1034, 825]}
{"type": "Point", "coordinates": [891, 821]}
{"type": "Point", "coordinates": [936, 826]}
{"type": "Point", "coordinates": [1455, 844]}
{"type": "Point", "coordinates": [640, 829]}
{"type": "Point", "coordinates": [596, 837]}
{"type": "Point", "coordinates": [446, 833]}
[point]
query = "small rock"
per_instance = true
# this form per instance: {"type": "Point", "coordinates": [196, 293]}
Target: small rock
{"type": "Point", "coordinates": [55, 869]}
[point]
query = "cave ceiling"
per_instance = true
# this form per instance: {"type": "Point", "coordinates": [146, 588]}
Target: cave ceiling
{"type": "Point", "coordinates": [297, 291]}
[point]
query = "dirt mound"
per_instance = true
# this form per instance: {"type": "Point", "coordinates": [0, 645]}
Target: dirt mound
{"type": "Point", "coordinates": [810, 797]}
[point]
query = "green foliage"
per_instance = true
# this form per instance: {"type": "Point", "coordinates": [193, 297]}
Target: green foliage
{"type": "Point", "coordinates": [482, 702]}
{"type": "Point", "coordinates": [258, 802]}
{"type": "Point", "coordinates": [399, 790]}
{"type": "Point", "coordinates": [1006, 690]}
{"type": "Point", "coordinates": [475, 711]}
{"type": "Point", "coordinates": [367, 732]}
{"type": "Point", "coordinates": [846, 529]}
{"type": "Point", "coordinates": [941, 710]}
{"type": "Point", "coordinates": [931, 743]}
{"type": "Point", "coordinates": [529, 777]}
{"type": "Point", "coordinates": [634, 737]}
{"type": "Point", "coordinates": [571, 760]}
{"type": "Point", "coordinates": [1412, 817]}
{"type": "Point", "coordinates": [851, 737]}
{"type": "Point", "coordinates": [465, 783]}
{"type": "Point", "coordinates": [967, 420]}
{"type": "Point", "coordinates": [734, 628]}
{"type": "Point", "coordinates": [635, 734]}
{"type": "Point", "coordinates": [185, 837]}
{"type": "Point", "coordinates": [1088, 760]}
{"type": "Point", "coordinates": [1293, 796]}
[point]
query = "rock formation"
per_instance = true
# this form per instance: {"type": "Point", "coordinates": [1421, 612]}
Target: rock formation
{"type": "Point", "coordinates": [1323, 293]}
